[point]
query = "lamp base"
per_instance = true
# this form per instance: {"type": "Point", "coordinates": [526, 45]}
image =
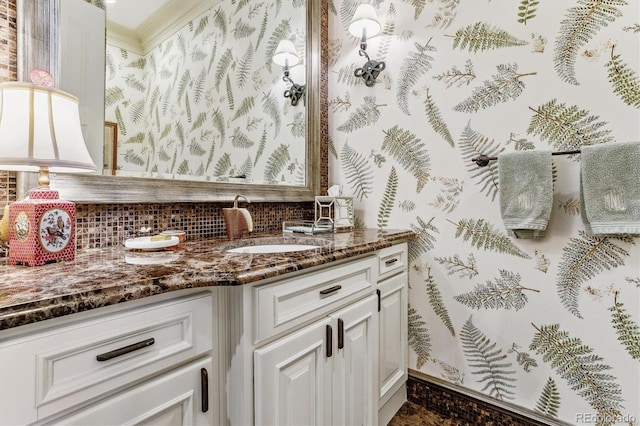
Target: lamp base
{"type": "Point", "coordinates": [42, 229]}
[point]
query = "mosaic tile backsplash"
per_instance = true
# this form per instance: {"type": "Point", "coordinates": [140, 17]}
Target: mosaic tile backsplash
{"type": "Point", "coordinates": [105, 225]}
{"type": "Point", "coordinates": [7, 187]}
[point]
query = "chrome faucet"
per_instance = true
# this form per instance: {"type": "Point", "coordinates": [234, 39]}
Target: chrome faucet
{"type": "Point", "coordinates": [236, 220]}
{"type": "Point", "coordinates": [235, 200]}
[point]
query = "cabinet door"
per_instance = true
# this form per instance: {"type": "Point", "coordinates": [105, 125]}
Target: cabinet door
{"type": "Point", "coordinates": [292, 378]}
{"type": "Point", "coordinates": [392, 365]}
{"type": "Point", "coordinates": [180, 397]}
{"type": "Point", "coordinates": [354, 372]}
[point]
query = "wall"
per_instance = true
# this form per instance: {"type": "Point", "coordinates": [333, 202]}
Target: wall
{"type": "Point", "coordinates": [452, 192]}
{"type": "Point", "coordinates": [548, 325]}
{"type": "Point", "coordinates": [207, 103]}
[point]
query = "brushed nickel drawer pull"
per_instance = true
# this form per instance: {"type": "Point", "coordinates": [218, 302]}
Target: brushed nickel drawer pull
{"type": "Point", "coordinates": [125, 350]}
{"type": "Point", "coordinates": [204, 389]}
{"type": "Point", "coordinates": [390, 261]}
{"type": "Point", "coordinates": [328, 291]}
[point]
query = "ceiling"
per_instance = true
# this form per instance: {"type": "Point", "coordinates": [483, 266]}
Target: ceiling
{"type": "Point", "coordinates": [140, 25]}
{"type": "Point", "coordinates": [133, 13]}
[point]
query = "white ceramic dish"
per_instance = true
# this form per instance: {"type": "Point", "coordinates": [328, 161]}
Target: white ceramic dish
{"type": "Point", "coordinates": [145, 243]}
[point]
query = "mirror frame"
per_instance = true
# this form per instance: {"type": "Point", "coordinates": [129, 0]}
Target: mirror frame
{"type": "Point", "coordinates": [37, 35]}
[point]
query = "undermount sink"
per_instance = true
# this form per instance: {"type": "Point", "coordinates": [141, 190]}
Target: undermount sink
{"type": "Point", "coordinates": [272, 248]}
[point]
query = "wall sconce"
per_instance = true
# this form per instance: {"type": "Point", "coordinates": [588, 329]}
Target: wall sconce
{"type": "Point", "coordinates": [286, 56]}
{"type": "Point", "coordinates": [40, 130]}
{"type": "Point", "coordinates": [365, 24]}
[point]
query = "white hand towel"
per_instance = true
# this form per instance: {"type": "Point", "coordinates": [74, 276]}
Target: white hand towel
{"type": "Point", "coordinates": [526, 192]}
{"type": "Point", "coordinates": [610, 188]}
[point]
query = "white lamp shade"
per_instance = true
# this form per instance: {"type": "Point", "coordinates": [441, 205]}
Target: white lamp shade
{"type": "Point", "coordinates": [365, 19]}
{"type": "Point", "coordinates": [286, 54]}
{"type": "Point", "coordinates": [40, 127]}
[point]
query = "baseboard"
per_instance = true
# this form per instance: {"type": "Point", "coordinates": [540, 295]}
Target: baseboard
{"type": "Point", "coordinates": [457, 403]}
{"type": "Point", "coordinates": [391, 407]}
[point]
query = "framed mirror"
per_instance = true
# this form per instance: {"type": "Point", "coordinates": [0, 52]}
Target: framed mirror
{"type": "Point", "coordinates": [93, 188]}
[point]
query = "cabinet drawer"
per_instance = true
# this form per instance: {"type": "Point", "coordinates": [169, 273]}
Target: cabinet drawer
{"type": "Point", "coordinates": [392, 260]}
{"type": "Point", "coordinates": [177, 398]}
{"type": "Point", "coordinates": [288, 303]}
{"type": "Point", "coordinates": [72, 364]}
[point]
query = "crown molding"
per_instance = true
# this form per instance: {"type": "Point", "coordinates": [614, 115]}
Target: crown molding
{"type": "Point", "coordinates": [123, 37]}
{"type": "Point", "coordinates": [174, 16]}
{"type": "Point", "coordinates": [168, 20]}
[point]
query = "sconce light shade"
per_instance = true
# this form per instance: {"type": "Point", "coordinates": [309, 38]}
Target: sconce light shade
{"type": "Point", "coordinates": [40, 127]}
{"type": "Point", "coordinates": [365, 19]}
{"type": "Point", "coordinates": [286, 54]}
{"type": "Point", "coordinates": [365, 24]}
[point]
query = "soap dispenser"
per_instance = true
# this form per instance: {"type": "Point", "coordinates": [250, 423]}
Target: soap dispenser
{"type": "Point", "coordinates": [237, 220]}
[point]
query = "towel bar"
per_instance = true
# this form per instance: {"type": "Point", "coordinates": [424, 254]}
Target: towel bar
{"type": "Point", "coordinates": [484, 160]}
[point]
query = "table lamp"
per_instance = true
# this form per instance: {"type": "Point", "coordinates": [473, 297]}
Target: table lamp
{"type": "Point", "coordinates": [40, 131]}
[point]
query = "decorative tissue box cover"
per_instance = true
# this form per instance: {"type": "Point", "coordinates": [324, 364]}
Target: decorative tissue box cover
{"type": "Point", "coordinates": [41, 229]}
{"type": "Point", "coordinates": [338, 210]}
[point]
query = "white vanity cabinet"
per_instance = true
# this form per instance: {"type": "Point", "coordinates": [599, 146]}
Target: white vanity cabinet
{"type": "Point", "coordinates": [113, 365]}
{"type": "Point", "coordinates": [326, 347]}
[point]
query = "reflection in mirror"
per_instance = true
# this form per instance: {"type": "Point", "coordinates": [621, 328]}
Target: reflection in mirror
{"type": "Point", "coordinates": [203, 99]}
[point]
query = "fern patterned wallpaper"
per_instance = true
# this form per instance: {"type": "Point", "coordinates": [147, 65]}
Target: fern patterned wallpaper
{"type": "Point", "coordinates": [207, 103]}
{"type": "Point", "coordinates": [549, 325]}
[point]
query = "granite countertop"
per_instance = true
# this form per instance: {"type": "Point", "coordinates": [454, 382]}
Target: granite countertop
{"type": "Point", "coordinates": [101, 277]}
